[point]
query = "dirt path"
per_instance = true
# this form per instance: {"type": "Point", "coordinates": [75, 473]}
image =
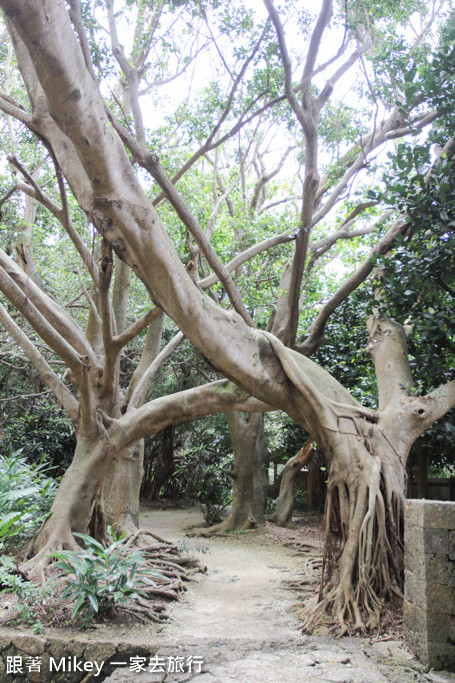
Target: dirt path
{"type": "Point", "coordinates": [241, 596]}
{"type": "Point", "coordinates": [237, 619]}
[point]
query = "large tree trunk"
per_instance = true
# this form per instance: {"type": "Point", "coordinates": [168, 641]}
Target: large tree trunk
{"type": "Point", "coordinates": [362, 567]}
{"type": "Point", "coordinates": [123, 485]}
{"type": "Point", "coordinates": [122, 491]}
{"type": "Point", "coordinates": [366, 454]}
{"type": "Point", "coordinates": [78, 505]}
{"type": "Point", "coordinates": [285, 503]}
{"type": "Point", "coordinates": [250, 476]}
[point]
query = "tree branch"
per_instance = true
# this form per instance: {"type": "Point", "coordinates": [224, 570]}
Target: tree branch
{"type": "Point", "coordinates": [365, 147]}
{"type": "Point", "coordinates": [286, 60]}
{"type": "Point", "coordinates": [317, 328]}
{"type": "Point", "coordinates": [327, 89]}
{"type": "Point", "coordinates": [93, 308]}
{"type": "Point", "coordinates": [131, 74]}
{"type": "Point", "coordinates": [62, 215]}
{"type": "Point", "coordinates": [189, 404]}
{"type": "Point", "coordinates": [150, 350]}
{"type": "Point", "coordinates": [321, 247]}
{"type": "Point", "coordinates": [108, 325]}
{"type": "Point", "coordinates": [137, 327]}
{"type": "Point", "coordinates": [62, 393]}
{"type": "Point", "coordinates": [208, 144]}
{"type": "Point", "coordinates": [248, 254]}
{"type": "Point", "coordinates": [151, 163]}
{"type": "Point", "coordinates": [140, 392]}
{"type": "Point", "coordinates": [12, 108]}
{"type": "Point", "coordinates": [315, 43]}
{"type": "Point", "coordinates": [57, 328]}
{"type": "Point", "coordinates": [266, 177]}
{"type": "Point", "coordinates": [307, 113]}
{"type": "Point", "coordinates": [427, 409]}
{"type": "Point", "coordinates": [76, 18]}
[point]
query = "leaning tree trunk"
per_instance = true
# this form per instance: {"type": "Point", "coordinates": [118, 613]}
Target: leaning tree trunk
{"type": "Point", "coordinates": [366, 452]}
{"type": "Point", "coordinates": [285, 503]}
{"type": "Point", "coordinates": [78, 505]}
{"type": "Point", "coordinates": [250, 476]}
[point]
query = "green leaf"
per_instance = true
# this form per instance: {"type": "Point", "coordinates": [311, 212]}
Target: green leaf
{"type": "Point", "coordinates": [77, 607]}
{"type": "Point", "coordinates": [93, 601]}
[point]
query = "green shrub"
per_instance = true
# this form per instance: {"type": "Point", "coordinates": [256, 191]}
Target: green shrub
{"type": "Point", "coordinates": [205, 476]}
{"type": "Point", "coordinates": [99, 579]}
{"type": "Point", "coordinates": [26, 494]}
{"type": "Point", "coordinates": [44, 432]}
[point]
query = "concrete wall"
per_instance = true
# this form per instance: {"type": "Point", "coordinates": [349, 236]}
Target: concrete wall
{"type": "Point", "coordinates": [429, 605]}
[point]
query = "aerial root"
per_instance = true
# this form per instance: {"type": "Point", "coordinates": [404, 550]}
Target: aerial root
{"type": "Point", "coordinates": [361, 568]}
{"type": "Point", "coordinates": [340, 609]}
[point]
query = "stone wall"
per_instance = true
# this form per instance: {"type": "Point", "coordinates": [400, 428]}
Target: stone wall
{"type": "Point", "coordinates": [27, 658]}
{"type": "Point", "coordinates": [429, 605]}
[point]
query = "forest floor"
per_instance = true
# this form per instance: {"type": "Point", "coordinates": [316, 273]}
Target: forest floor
{"type": "Point", "coordinates": [237, 617]}
{"type": "Point", "coordinates": [235, 622]}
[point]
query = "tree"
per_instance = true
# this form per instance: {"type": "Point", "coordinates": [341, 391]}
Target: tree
{"type": "Point", "coordinates": [282, 515]}
{"type": "Point", "coordinates": [97, 157]}
{"type": "Point", "coordinates": [250, 473]}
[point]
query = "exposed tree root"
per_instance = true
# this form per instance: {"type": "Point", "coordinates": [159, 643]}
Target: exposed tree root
{"type": "Point", "coordinates": [147, 613]}
{"type": "Point", "coordinates": [34, 562]}
{"type": "Point", "coordinates": [298, 584]}
{"type": "Point", "coordinates": [169, 570]}
{"type": "Point", "coordinates": [147, 534]}
{"type": "Point", "coordinates": [224, 527]}
{"type": "Point", "coordinates": [303, 546]}
{"type": "Point", "coordinates": [165, 557]}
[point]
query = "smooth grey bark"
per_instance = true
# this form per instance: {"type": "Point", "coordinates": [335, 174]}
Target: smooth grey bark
{"type": "Point", "coordinates": [282, 516]}
{"type": "Point", "coordinates": [250, 468]}
{"type": "Point", "coordinates": [250, 474]}
{"type": "Point", "coordinates": [123, 485]}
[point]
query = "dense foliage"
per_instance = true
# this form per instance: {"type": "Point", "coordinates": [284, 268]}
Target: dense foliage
{"type": "Point", "coordinates": [26, 494]}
